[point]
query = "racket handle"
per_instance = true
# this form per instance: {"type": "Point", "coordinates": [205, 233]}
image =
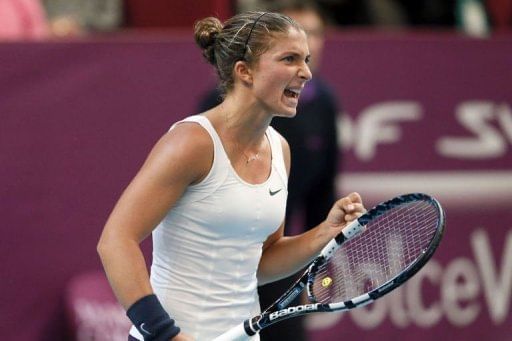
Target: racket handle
{"type": "Point", "coordinates": [235, 333]}
{"type": "Point", "coordinates": [352, 229]}
{"type": "Point", "coordinates": [329, 249]}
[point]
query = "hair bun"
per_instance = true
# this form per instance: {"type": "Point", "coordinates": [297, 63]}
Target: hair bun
{"type": "Point", "coordinates": [205, 33]}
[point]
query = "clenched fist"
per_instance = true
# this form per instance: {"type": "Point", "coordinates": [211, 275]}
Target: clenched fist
{"type": "Point", "coordinates": [344, 211]}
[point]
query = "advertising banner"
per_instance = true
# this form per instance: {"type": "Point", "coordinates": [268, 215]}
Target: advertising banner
{"type": "Point", "coordinates": [421, 113]}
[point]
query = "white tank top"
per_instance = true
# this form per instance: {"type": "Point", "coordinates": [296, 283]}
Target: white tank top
{"type": "Point", "coordinates": [207, 249]}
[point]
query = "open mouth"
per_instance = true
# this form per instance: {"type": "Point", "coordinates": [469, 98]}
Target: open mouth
{"type": "Point", "coordinates": [291, 93]}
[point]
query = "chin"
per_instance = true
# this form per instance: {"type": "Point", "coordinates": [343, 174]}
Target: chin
{"type": "Point", "coordinates": [286, 112]}
{"type": "Point", "coordinates": [289, 114]}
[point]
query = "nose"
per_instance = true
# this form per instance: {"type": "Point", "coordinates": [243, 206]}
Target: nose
{"type": "Point", "coordinates": [305, 72]}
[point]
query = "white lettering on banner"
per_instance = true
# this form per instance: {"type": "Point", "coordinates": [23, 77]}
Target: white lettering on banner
{"type": "Point", "coordinates": [467, 289]}
{"type": "Point", "coordinates": [370, 316]}
{"type": "Point", "coordinates": [497, 289]}
{"type": "Point", "coordinates": [487, 141]}
{"type": "Point", "coordinates": [399, 314]}
{"type": "Point", "coordinates": [459, 291]}
{"type": "Point", "coordinates": [377, 124]}
{"type": "Point", "coordinates": [504, 113]}
{"type": "Point", "coordinates": [422, 314]}
{"type": "Point", "coordinates": [489, 125]}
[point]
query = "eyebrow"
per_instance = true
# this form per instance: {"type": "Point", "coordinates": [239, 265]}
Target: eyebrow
{"type": "Point", "coordinates": [294, 53]}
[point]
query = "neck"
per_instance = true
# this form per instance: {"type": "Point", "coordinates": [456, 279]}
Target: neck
{"type": "Point", "coordinates": [241, 126]}
{"type": "Point", "coordinates": [246, 122]}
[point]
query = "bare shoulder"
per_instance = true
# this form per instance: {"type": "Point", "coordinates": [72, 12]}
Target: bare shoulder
{"type": "Point", "coordinates": [188, 138]}
{"type": "Point", "coordinates": [186, 152]}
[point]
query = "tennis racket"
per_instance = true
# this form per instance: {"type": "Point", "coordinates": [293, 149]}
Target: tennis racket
{"type": "Point", "coordinates": [400, 235]}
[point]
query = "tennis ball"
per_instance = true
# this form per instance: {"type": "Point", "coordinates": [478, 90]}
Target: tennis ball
{"type": "Point", "coordinates": [326, 282]}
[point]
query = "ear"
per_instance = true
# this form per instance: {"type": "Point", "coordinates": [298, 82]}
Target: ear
{"type": "Point", "coordinates": [243, 72]}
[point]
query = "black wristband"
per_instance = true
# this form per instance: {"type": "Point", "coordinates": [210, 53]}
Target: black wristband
{"type": "Point", "coordinates": [151, 320]}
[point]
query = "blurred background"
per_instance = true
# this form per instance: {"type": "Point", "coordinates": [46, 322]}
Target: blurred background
{"type": "Point", "coordinates": [88, 86]}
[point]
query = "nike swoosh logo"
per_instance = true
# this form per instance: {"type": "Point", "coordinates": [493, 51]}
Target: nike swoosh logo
{"type": "Point", "coordinates": [274, 192]}
{"type": "Point", "coordinates": [144, 330]}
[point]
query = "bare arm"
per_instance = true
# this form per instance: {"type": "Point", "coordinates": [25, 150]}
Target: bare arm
{"type": "Point", "coordinates": [177, 160]}
{"type": "Point", "coordinates": [283, 256]}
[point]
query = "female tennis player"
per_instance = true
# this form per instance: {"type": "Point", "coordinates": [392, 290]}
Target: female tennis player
{"type": "Point", "coordinates": [213, 193]}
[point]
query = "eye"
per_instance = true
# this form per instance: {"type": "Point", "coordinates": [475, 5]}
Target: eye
{"type": "Point", "coordinates": [289, 59]}
{"type": "Point", "coordinates": [308, 59]}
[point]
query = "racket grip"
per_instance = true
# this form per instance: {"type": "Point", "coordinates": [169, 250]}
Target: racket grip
{"type": "Point", "coordinates": [329, 249]}
{"type": "Point", "coordinates": [352, 229]}
{"type": "Point", "coordinates": [235, 333]}
{"type": "Point", "coordinates": [348, 232]}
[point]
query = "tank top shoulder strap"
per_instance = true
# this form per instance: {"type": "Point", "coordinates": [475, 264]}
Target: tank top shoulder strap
{"type": "Point", "coordinates": [219, 169]}
{"type": "Point", "coordinates": [277, 153]}
{"type": "Point", "coordinates": [206, 124]}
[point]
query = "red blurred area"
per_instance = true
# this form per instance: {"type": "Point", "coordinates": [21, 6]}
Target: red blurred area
{"type": "Point", "coordinates": [174, 13]}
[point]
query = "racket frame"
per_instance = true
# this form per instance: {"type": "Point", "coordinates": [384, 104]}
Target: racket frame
{"type": "Point", "coordinates": [406, 273]}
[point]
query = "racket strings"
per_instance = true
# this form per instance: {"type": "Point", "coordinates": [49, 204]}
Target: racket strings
{"type": "Point", "coordinates": [391, 243]}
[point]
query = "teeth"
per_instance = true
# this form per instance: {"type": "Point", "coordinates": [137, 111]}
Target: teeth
{"type": "Point", "coordinates": [294, 93]}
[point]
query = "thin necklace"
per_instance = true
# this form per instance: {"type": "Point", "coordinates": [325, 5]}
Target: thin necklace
{"type": "Point", "coordinates": [251, 158]}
